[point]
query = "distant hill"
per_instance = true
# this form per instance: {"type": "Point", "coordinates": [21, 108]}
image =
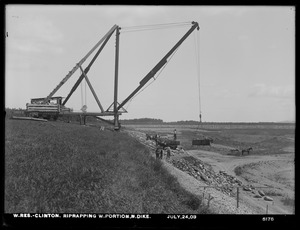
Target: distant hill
{"type": "Point", "coordinates": [286, 122]}
{"type": "Point", "coordinates": [192, 122]}
{"type": "Point", "coordinates": [142, 121]}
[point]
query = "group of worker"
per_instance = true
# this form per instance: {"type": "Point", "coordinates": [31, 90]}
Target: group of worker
{"type": "Point", "coordinates": [160, 152]}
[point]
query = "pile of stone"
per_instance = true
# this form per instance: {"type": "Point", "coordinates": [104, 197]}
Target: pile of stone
{"type": "Point", "coordinates": [257, 194]}
{"type": "Point", "coordinates": [221, 181]}
{"type": "Point", "coordinates": [203, 172]}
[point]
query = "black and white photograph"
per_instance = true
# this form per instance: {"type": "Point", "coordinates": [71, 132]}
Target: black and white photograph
{"type": "Point", "coordinates": [133, 114]}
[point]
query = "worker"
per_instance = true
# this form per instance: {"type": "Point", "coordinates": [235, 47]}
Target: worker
{"type": "Point", "coordinates": [168, 153]}
{"type": "Point", "coordinates": [157, 152]}
{"type": "Point", "coordinates": [161, 153]}
{"type": "Point", "coordinates": [175, 135]}
{"type": "Point", "coordinates": [156, 138]}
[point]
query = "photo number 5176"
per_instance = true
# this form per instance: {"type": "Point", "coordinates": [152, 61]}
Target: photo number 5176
{"type": "Point", "coordinates": [269, 218]}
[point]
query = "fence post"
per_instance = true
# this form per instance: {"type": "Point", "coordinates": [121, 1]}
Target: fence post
{"type": "Point", "coordinates": [203, 195]}
{"type": "Point", "coordinates": [209, 199]}
{"type": "Point", "coordinates": [237, 196]}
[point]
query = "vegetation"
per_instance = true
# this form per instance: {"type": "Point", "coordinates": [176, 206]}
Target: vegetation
{"type": "Point", "coordinates": [55, 167]}
{"type": "Point", "coordinates": [238, 170]}
{"type": "Point", "coordinates": [142, 121]}
{"type": "Point", "coordinates": [12, 111]}
{"type": "Point", "coordinates": [272, 192]}
{"type": "Point", "coordinates": [288, 201]}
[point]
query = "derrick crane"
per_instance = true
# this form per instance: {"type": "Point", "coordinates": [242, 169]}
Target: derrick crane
{"type": "Point", "coordinates": [42, 106]}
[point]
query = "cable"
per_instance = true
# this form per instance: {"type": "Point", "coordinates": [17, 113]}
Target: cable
{"type": "Point", "coordinates": [156, 25]}
{"type": "Point", "coordinates": [138, 30]}
{"type": "Point", "coordinates": [153, 77]}
{"type": "Point", "coordinates": [85, 95]}
{"type": "Point", "coordinates": [81, 87]}
{"type": "Point", "coordinates": [152, 27]}
{"type": "Point", "coordinates": [197, 54]}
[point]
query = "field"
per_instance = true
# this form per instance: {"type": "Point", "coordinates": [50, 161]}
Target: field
{"type": "Point", "coordinates": [58, 167]}
{"type": "Point", "coordinates": [264, 139]}
{"type": "Point", "coordinates": [269, 167]}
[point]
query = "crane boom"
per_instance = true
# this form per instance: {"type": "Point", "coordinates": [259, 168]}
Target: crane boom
{"type": "Point", "coordinates": [160, 64]}
{"type": "Point", "coordinates": [86, 69]}
{"type": "Point", "coordinates": [79, 64]}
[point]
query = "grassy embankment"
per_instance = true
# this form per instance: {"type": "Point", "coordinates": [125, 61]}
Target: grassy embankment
{"type": "Point", "coordinates": [57, 167]}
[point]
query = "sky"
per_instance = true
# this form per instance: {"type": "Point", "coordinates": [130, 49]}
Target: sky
{"type": "Point", "coordinates": [241, 62]}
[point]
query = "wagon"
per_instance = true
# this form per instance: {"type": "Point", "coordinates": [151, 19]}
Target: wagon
{"type": "Point", "coordinates": [168, 143]}
{"type": "Point", "coordinates": [201, 142]}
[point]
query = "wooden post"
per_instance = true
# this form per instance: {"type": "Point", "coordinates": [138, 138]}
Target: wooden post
{"type": "Point", "coordinates": [237, 196]}
{"type": "Point", "coordinates": [203, 196]}
{"type": "Point", "coordinates": [29, 118]}
{"type": "Point", "coordinates": [116, 116]}
{"type": "Point", "coordinates": [209, 199]}
{"type": "Point", "coordinates": [82, 119]}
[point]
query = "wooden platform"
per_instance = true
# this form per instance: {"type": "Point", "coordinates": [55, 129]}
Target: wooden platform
{"type": "Point", "coordinates": [90, 113]}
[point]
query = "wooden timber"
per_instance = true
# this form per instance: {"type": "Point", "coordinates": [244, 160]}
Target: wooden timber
{"type": "Point", "coordinates": [28, 118]}
{"type": "Point", "coordinates": [90, 113]}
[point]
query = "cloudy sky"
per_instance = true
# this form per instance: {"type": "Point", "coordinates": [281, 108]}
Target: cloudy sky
{"type": "Point", "coordinates": [243, 56]}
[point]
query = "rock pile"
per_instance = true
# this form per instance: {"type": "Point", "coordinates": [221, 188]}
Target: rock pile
{"type": "Point", "coordinates": [203, 172]}
{"type": "Point", "coordinates": [258, 193]}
